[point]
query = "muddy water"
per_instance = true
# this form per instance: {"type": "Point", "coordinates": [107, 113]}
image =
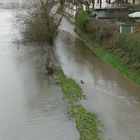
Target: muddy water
{"type": "Point", "coordinates": [31, 107]}
{"type": "Point", "coordinates": [114, 98]}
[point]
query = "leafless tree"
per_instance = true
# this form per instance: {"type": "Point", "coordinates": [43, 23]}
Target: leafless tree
{"type": "Point", "coordinates": [41, 24]}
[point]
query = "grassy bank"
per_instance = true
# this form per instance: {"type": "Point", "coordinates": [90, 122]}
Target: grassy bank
{"type": "Point", "coordinates": [86, 122]}
{"type": "Point", "coordinates": [114, 60]}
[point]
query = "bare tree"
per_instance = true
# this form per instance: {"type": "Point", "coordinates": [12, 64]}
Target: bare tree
{"type": "Point", "coordinates": [41, 24]}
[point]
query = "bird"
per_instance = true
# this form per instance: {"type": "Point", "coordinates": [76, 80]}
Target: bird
{"type": "Point", "coordinates": [82, 82]}
{"type": "Point", "coordinates": [17, 47]}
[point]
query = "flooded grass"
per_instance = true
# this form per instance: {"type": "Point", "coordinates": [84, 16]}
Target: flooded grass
{"type": "Point", "coordinates": [115, 61]}
{"type": "Point", "coordinates": [69, 87]}
{"type": "Point", "coordinates": [86, 122]}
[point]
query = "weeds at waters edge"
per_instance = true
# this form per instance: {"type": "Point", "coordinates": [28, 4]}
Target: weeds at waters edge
{"type": "Point", "coordinates": [115, 61]}
{"type": "Point", "coordinates": [87, 123]}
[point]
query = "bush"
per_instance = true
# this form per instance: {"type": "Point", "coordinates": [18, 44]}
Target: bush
{"type": "Point", "coordinates": [96, 29]}
{"type": "Point", "coordinates": [130, 43]}
{"type": "Point", "coordinates": [134, 7]}
{"type": "Point", "coordinates": [101, 31]}
{"type": "Point", "coordinates": [81, 18]}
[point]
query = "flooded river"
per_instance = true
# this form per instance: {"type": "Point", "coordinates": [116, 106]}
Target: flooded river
{"type": "Point", "coordinates": [114, 98]}
{"type": "Point", "coordinates": [31, 107]}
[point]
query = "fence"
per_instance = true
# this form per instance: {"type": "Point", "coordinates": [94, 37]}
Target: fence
{"type": "Point", "coordinates": [129, 28]}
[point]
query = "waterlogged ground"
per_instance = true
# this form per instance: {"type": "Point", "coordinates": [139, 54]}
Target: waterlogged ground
{"type": "Point", "coordinates": [114, 98]}
{"type": "Point", "coordinates": [31, 107]}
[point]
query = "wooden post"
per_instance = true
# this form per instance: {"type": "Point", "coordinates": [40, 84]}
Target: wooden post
{"type": "Point", "coordinates": [132, 29]}
{"type": "Point", "coordinates": [120, 28]}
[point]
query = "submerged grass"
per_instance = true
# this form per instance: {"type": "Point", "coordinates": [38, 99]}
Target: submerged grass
{"type": "Point", "coordinates": [86, 122]}
{"type": "Point", "coordinates": [114, 60]}
{"type": "Point", "coordinates": [69, 87]}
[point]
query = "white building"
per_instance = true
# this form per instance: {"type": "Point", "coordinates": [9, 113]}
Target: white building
{"type": "Point", "coordinates": [103, 4]}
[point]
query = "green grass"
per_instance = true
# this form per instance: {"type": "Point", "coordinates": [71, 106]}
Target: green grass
{"type": "Point", "coordinates": [69, 87]}
{"type": "Point", "coordinates": [86, 123]}
{"type": "Point", "coordinates": [114, 60]}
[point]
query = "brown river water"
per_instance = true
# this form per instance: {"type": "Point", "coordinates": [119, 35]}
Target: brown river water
{"type": "Point", "coordinates": [32, 108]}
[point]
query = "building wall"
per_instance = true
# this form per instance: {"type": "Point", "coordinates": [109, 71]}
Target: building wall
{"type": "Point", "coordinates": [105, 4]}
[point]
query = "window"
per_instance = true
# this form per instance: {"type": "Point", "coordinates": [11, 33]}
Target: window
{"type": "Point", "coordinates": [98, 1]}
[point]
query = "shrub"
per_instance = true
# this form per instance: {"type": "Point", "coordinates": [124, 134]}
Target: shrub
{"type": "Point", "coordinates": [101, 31]}
{"type": "Point", "coordinates": [134, 7]}
{"type": "Point", "coordinates": [130, 43]}
{"type": "Point", "coordinates": [81, 18]}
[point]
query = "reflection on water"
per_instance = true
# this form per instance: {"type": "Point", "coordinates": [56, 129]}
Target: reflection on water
{"type": "Point", "coordinates": [31, 107]}
{"type": "Point", "coordinates": [114, 98]}
{"type": "Point", "coordinates": [9, 4]}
